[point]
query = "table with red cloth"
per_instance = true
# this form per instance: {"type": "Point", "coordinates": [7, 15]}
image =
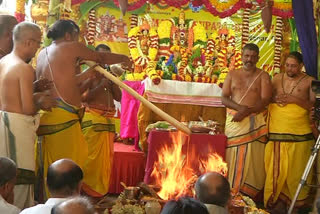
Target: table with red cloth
{"type": "Point", "coordinates": [200, 144]}
{"type": "Point", "coordinates": [128, 167]}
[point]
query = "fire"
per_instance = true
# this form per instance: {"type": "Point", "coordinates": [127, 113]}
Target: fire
{"type": "Point", "coordinates": [175, 171]}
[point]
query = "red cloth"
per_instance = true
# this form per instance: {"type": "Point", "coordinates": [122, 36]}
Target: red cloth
{"type": "Point", "coordinates": [128, 167]}
{"type": "Point", "coordinates": [199, 146]}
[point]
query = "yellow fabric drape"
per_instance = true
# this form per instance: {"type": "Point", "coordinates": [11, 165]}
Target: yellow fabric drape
{"type": "Point", "coordinates": [61, 136]}
{"type": "Point", "coordinates": [287, 153]}
{"type": "Point", "coordinates": [99, 133]}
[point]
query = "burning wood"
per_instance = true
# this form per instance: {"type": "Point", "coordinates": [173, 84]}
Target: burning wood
{"type": "Point", "coordinates": [175, 172]}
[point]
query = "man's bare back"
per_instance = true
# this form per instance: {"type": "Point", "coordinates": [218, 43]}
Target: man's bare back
{"type": "Point", "coordinates": [16, 85]}
{"type": "Point", "coordinates": [63, 59]}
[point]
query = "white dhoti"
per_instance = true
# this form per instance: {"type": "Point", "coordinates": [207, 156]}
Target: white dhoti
{"type": "Point", "coordinates": [17, 142]}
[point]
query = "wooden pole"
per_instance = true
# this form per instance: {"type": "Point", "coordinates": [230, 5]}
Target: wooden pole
{"type": "Point", "coordinates": [151, 106]}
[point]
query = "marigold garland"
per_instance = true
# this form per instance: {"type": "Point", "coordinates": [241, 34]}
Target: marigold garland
{"type": "Point", "coordinates": [234, 6]}
{"type": "Point", "coordinates": [222, 6]}
{"type": "Point", "coordinates": [139, 58]}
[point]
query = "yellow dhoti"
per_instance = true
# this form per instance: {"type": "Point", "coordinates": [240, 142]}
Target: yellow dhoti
{"type": "Point", "coordinates": [98, 129]}
{"type": "Point", "coordinates": [245, 152]}
{"type": "Point", "coordinates": [287, 153]}
{"type": "Point", "coordinates": [60, 136]}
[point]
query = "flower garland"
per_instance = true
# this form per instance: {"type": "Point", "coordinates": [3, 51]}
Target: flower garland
{"type": "Point", "coordinates": [164, 32]}
{"type": "Point", "coordinates": [222, 6]}
{"type": "Point", "coordinates": [136, 53]}
{"type": "Point", "coordinates": [20, 10]}
{"type": "Point", "coordinates": [224, 9]}
{"type": "Point", "coordinates": [278, 45]}
{"type": "Point", "coordinates": [177, 3]}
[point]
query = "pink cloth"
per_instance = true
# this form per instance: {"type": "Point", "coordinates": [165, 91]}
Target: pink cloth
{"type": "Point", "coordinates": [129, 112]}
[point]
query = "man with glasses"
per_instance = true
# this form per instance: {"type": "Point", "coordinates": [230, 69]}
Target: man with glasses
{"type": "Point", "coordinates": [18, 108]}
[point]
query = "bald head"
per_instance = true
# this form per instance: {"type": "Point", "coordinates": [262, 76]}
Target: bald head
{"type": "Point", "coordinates": [64, 177]}
{"type": "Point", "coordinates": [25, 30]}
{"type": "Point", "coordinates": [8, 170]}
{"type": "Point", "coordinates": [78, 205]}
{"type": "Point", "coordinates": [213, 188]}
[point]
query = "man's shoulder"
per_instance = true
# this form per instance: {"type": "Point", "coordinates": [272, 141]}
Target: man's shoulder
{"type": "Point", "coordinates": [8, 208]}
{"type": "Point", "coordinates": [71, 46]}
{"type": "Point", "coordinates": [309, 78]}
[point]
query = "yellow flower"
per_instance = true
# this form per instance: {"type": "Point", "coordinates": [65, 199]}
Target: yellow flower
{"type": "Point", "coordinates": [134, 53]}
{"type": "Point", "coordinates": [153, 32]}
{"type": "Point", "coordinates": [164, 29]}
{"type": "Point", "coordinates": [134, 31]}
{"type": "Point", "coordinates": [283, 5]}
{"type": "Point", "coordinates": [135, 76]}
{"type": "Point", "coordinates": [199, 33]}
{"type": "Point", "coordinates": [153, 53]}
{"type": "Point", "coordinates": [222, 6]}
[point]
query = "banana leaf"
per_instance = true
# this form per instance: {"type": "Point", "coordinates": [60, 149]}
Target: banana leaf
{"type": "Point", "coordinates": [294, 43]}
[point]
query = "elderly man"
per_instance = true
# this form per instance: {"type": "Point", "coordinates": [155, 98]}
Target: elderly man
{"type": "Point", "coordinates": [290, 135]}
{"type": "Point", "coordinates": [7, 23]}
{"type": "Point", "coordinates": [8, 175]}
{"type": "Point", "coordinates": [213, 190]}
{"type": "Point", "coordinates": [78, 205]}
{"type": "Point", "coordinates": [64, 179]}
{"type": "Point", "coordinates": [60, 131]}
{"type": "Point", "coordinates": [246, 93]}
{"type": "Point", "coordinates": [19, 105]}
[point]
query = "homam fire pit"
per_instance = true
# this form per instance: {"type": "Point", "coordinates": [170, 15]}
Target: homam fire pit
{"type": "Point", "coordinates": [175, 175]}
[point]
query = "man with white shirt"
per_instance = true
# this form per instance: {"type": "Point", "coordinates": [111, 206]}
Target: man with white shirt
{"type": "Point", "coordinates": [8, 176]}
{"type": "Point", "coordinates": [64, 179]}
{"type": "Point", "coordinates": [213, 190]}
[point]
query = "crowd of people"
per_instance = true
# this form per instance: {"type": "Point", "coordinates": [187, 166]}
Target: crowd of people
{"type": "Point", "coordinates": [268, 125]}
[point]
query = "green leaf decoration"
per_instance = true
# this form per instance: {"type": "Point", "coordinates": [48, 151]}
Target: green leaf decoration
{"type": "Point", "coordinates": [294, 43]}
{"type": "Point", "coordinates": [86, 7]}
{"type": "Point", "coordinates": [175, 20]}
{"type": "Point", "coordinates": [201, 43]}
{"type": "Point", "coordinates": [196, 54]}
{"type": "Point", "coordinates": [164, 41]}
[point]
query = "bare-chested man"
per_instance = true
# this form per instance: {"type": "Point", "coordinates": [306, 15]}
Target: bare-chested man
{"type": "Point", "coordinates": [290, 135]}
{"type": "Point", "coordinates": [246, 94]}
{"type": "Point", "coordinates": [60, 130]}
{"type": "Point", "coordinates": [7, 23]}
{"type": "Point", "coordinates": [19, 105]}
{"type": "Point", "coordinates": [98, 127]}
